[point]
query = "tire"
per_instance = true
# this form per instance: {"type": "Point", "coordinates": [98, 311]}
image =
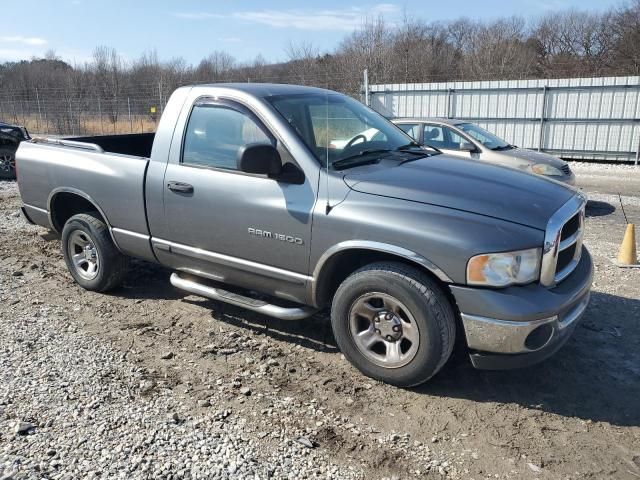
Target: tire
{"type": "Point", "coordinates": [99, 266]}
{"type": "Point", "coordinates": [7, 163]}
{"type": "Point", "coordinates": [408, 346]}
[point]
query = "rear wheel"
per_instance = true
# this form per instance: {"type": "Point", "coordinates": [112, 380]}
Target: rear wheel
{"type": "Point", "coordinates": [90, 254]}
{"type": "Point", "coordinates": [393, 323]}
{"type": "Point", "coordinates": [7, 163]}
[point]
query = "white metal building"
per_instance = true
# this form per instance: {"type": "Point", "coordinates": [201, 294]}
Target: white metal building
{"type": "Point", "coordinates": [580, 118]}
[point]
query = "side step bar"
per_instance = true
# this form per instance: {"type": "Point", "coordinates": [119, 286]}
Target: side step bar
{"type": "Point", "coordinates": [295, 313]}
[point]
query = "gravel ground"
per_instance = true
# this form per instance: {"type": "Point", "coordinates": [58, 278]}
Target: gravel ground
{"type": "Point", "coordinates": [608, 178]}
{"type": "Point", "coordinates": [151, 383]}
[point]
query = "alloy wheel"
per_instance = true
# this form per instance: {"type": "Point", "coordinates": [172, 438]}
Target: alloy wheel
{"type": "Point", "coordinates": [84, 255]}
{"type": "Point", "coordinates": [384, 330]}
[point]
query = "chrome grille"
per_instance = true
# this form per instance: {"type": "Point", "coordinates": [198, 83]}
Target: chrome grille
{"type": "Point", "coordinates": [563, 242]}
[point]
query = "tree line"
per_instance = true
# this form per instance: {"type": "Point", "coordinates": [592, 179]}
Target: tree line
{"type": "Point", "coordinates": [569, 43]}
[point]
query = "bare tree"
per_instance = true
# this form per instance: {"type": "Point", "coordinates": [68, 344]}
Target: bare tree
{"type": "Point", "coordinates": [108, 68]}
{"type": "Point", "coordinates": [625, 24]}
{"type": "Point", "coordinates": [303, 61]}
{"type": "Point", "coordinates": [499, 50]}
{"type": "Point", "coordinates": [369, 47]}
{"type": "Point", "coordinates": [215, 67]}
{"type": "Point", "coordinates": [575, 42]}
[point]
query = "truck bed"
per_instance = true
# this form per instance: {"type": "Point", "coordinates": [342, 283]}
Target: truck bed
{"type": "Point", "coordinates": [135, 144]}
{"type": "Point", "coordinates": [108, 171]}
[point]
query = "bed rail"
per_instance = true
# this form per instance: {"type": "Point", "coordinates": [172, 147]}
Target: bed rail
{"type": "Point", "coordinates": [68, 143]}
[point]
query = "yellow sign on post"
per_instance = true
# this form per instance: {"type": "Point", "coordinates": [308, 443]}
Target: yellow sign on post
{"type": "Point", "coordinates": [152, 109]}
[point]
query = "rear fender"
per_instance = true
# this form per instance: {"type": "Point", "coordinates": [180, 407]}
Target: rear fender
{"type": "Point", "coordinates": [83, 195]}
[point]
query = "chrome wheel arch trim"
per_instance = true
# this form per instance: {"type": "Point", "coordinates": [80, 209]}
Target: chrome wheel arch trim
{"type": "Point", "coordinates": [88, 198]}
{"type": "Point", "coordinates": [374, 246]}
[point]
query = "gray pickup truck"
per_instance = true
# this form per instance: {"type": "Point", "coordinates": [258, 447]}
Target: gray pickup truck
{"type": "Point", "coordinates": [250, 188]}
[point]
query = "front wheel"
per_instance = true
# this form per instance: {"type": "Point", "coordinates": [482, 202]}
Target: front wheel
{"type": "Point", "coordinates": [393, 323]}
{"type": "Point", "coordinates": [92, 258]}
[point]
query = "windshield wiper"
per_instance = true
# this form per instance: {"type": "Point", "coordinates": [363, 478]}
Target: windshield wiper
{"type": "Point", "coordinates": [503, 147]}
{"type": "Point", "coordinates": [356, 160]}
{"type": "Point", "coordinates": [409, 146]}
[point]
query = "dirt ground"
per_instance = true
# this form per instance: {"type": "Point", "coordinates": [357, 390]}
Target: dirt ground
{"type": "Point", "coordinates": [575, 416]}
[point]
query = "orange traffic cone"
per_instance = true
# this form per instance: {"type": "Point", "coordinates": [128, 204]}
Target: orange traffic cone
{"type": "Point", "coordinates": [628, 255]}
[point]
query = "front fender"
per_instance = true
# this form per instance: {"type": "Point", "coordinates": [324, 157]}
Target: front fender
{"type": "Point", "coordinates": [439, 239]}
{"type": "Point", "coordinates": [326, 261]}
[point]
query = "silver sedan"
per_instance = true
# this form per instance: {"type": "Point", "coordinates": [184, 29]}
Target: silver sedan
{"type": "Point", "coordinates": [467, 140]}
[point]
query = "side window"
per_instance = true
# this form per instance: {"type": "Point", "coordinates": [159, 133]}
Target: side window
{"type": "Point", "coordinates": [215, 133]}
{"type": "Point", "coordinates": [455, 141]}
{"type": "Point", "coordinates": [410, 129]}
{"type": "Point", "coordinates": [434, 136]}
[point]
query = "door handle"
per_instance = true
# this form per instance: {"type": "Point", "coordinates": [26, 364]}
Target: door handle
{"type": "Point", "coordinates": [180, 187]}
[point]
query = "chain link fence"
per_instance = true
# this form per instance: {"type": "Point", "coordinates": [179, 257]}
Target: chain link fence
{"type": "Point", "coordinates": [77, 112]}
{"type": "Point", "coordinates": [137, 109]}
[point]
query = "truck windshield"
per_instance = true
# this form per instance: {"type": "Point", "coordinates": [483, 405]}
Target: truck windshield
{"type": "Point", "coordinates": [336, 127]}
{"type": "Point", "coordinates": [488, 139]}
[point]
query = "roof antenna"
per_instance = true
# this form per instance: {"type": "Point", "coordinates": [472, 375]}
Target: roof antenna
{"type": "Point", "coordinates": [328, 206]}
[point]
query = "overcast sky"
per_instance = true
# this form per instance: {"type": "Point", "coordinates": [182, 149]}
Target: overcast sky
{"type": "Point", "coordinates": [192, 29]}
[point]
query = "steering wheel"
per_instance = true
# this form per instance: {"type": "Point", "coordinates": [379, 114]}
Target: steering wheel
{"type": "Point", "coordinates": [353, 140]}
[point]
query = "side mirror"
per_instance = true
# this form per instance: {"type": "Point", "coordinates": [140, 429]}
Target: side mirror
{"type": "Point", "coordinates": [467, 147]}
{"type": "Point", "coordinates": [259, 158]}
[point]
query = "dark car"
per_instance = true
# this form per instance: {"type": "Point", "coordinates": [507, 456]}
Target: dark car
{"type": "Point", "coordinates": [10, 138]}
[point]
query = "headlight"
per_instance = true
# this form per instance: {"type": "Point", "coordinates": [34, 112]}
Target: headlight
{"type": "Point", "coordinates": [544, 169]}
{"type": "Point", "coordinates": [503, 269]}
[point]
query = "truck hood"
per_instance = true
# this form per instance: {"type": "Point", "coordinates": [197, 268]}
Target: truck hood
{"type": "Point", "coordinates": [467, 185]}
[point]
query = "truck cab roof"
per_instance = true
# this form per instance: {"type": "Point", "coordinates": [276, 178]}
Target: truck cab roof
{"type": "Point", "coordinates": [441, 120]}
{"type": "Point", "coordinates": [262, 90]}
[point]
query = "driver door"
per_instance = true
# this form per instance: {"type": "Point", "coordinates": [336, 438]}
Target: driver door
{"type": "Point", "coordinates": [243, 229]}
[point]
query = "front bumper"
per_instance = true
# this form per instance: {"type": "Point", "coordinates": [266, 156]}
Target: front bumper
{"type": "Point", "coordinates": [519, 326]}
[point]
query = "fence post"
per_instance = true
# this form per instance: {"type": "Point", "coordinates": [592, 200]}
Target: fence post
{"type": "Point", "coordinates": [71, 122]}
{"type": "Point", "coordinates": [542, 114]}
{"type": "Point", "coordinates": [449, 92]}
{"type": "Point", "coordinates": [24, 118]}
{"type": "Point", "coordinates": [46, 118]}
{"type": "Point", "coordinates": [39, 111]}
{"type": "Point", "coordinates": [100, 113]}
{"type": "Point", "coordinates": [365, 74]}
{"type": "Point", "coordinates": [637, 152]}
{"type": "Point", "coordinates": [130, 121]}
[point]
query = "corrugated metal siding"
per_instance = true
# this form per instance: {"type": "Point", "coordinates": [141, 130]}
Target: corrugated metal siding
{"type": "Point", "coordinates": [590, 118]}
